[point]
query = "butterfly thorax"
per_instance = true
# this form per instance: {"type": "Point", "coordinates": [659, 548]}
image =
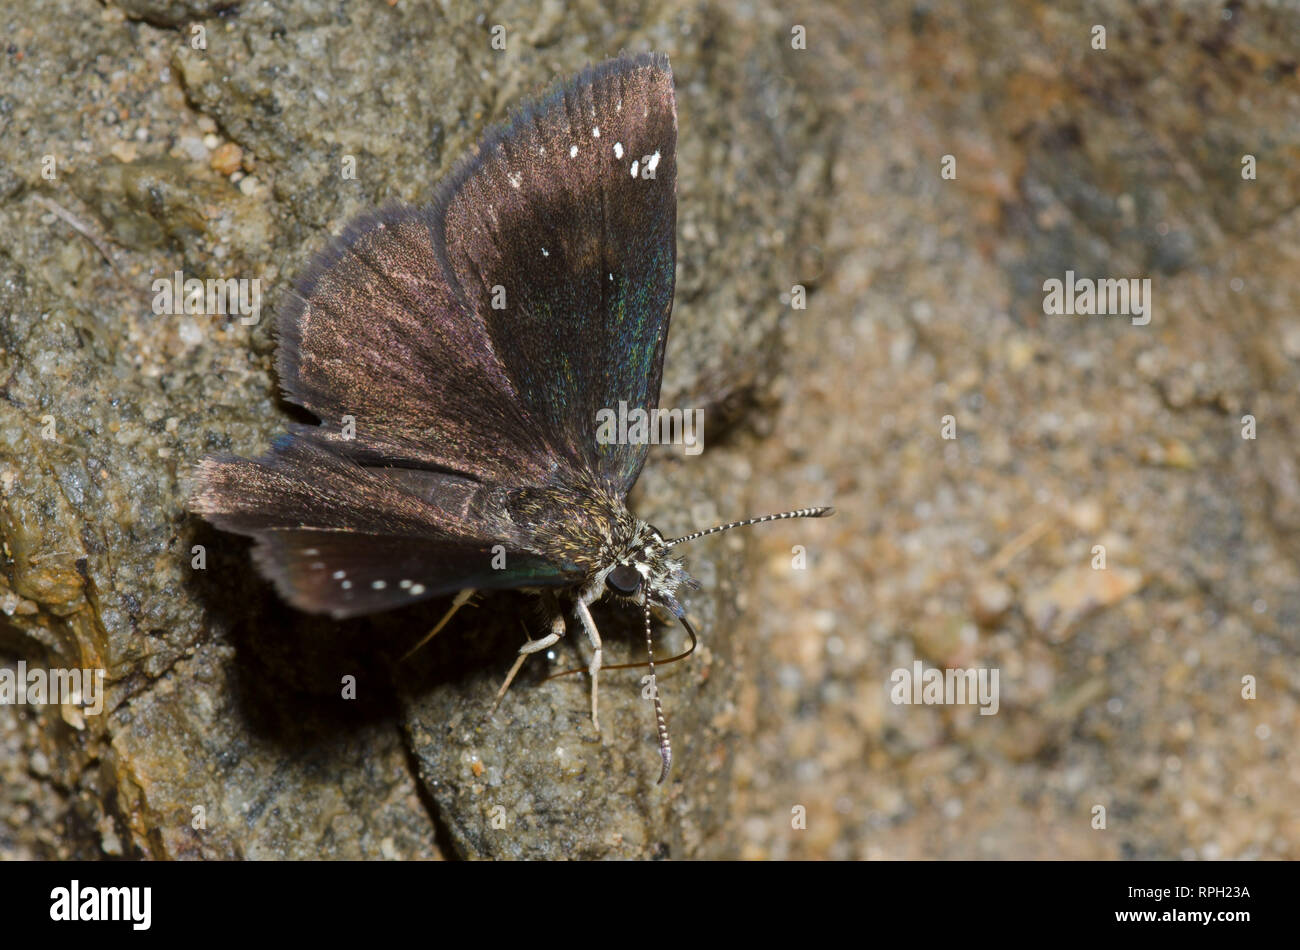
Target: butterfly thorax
{"type": "Point", "coordinates": [590, 529]}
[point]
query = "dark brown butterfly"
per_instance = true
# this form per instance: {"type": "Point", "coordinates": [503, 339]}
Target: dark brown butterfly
{"type": "Point", "coordinates": [458, 355]}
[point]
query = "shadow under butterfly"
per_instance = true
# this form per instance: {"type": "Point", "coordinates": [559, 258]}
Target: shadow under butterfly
{"type": "Point", "coordinates": [457, 356]}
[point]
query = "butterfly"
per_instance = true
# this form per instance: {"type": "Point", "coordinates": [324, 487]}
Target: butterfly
{"type": "Point", "coordinates": [458, 356]}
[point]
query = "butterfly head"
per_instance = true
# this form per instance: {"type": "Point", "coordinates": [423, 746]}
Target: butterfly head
{"type": "Point", "coordinates": [645, 572]}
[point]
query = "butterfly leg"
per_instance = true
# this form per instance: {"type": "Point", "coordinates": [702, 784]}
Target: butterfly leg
{"type": "Point", "coordinates": [580, 608]}
{"type": "Point", "coordinates": [531, 647]}
{"type": "Point", "coordinates": [461, 598]}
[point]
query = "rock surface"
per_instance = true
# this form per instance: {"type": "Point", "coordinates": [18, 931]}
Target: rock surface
{"type": "Point", "coordinates": [1120, 688]}
{"type": "Point", "coordinates": [1123, 687]}
{"type": "Point", "coordinates": [210, 139]}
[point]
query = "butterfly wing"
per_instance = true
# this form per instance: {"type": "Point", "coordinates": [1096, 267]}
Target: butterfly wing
{"type": "Point", "coordinates": [338, 537]}
{"type": "Point", "coordinates": [483, 334]}
{"type": "Point", "coordinates": [379, 346]}
{"type": "Point", "coordinates": [435, 403]}
{"type": "Point", "coordinates": [561, 234]}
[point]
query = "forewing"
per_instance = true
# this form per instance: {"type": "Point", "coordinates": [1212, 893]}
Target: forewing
{"type": "Point", "coordinates": [376, 343]}
{"type": "Point", "coordinates": [561, 234]}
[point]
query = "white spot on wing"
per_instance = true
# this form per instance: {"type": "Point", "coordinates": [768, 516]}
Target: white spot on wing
{"type": "Point", "coordinates": [573, 151]}
{"type": "Point", "coordinates": [595, 132]}
{"type": "Point", "coordinates": [545, 253]}
{"type": "Point", "coordinates": [618, 149]}
{"type": "Point", "coordinates": [515, 180]}
{"type": "Point", "coordinates": [635, 165]}
{"type": "Point", "coordinates": [379, 585]}
{"type": "Point", "coordinates": [654, 161]}
{"type": "Point", "coordinates": [417, 590]}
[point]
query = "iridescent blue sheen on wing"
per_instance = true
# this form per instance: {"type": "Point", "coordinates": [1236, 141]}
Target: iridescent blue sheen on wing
{"type": "Point", "coordinates": [561, 233]}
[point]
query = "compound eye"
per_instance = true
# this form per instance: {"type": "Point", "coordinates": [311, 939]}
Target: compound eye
{"type": "Point", "coordinates": [624, 579]}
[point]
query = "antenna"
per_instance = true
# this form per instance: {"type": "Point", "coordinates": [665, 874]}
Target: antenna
{"type": "Point", "coordinates": [665, 747]}
{"type": "Point", "coordinates": [797, 513]}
